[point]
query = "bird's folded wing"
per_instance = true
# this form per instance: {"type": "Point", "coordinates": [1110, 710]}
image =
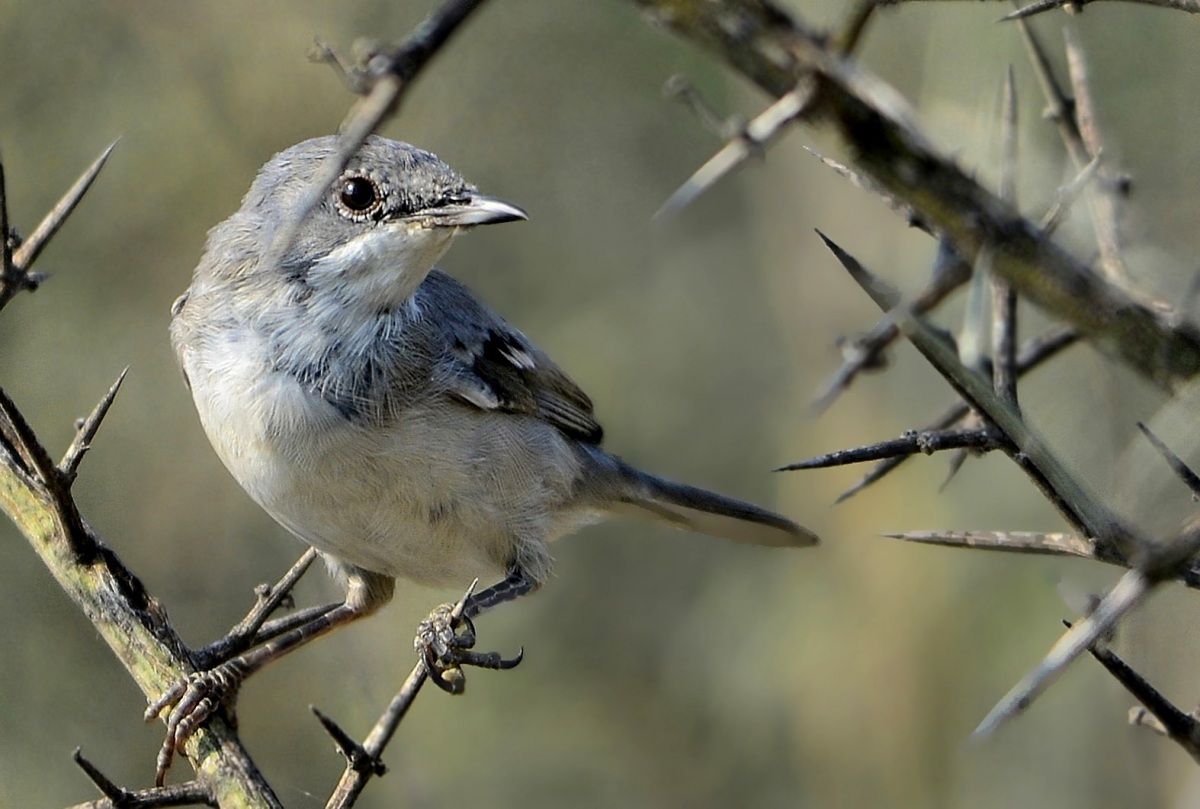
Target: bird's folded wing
{"type": "Point", "coordinates": [492, 366]}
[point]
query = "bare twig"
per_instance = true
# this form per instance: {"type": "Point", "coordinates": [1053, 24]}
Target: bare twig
{"type": "Point", "coordinates": [1158, 565]}
{"type": "Point", "coordinates": [760, 131]}
{"type": "Point", "coordinates": [357, 757]}
{"type": "Point", "coordinates": [360, 769]}
{"type": "Point", "coordinates": [680, 88]}
{"type": "Point", "coordinates": [193, 793]}
{"type": "Point", "coordinates": [952, 272]}
{"type": "Point", "coordinates": [949, 273]}
{"type": "Point", "coordinates": [1079, 506]}
{"type": "Point", "coordinates": [1179, 726]}
{"type": "Point", "coordinates": [1084, 512]}
{"type": "Point", "coordinates": [1076, 6]}
{"type": "Point", "coordinates": [363, 761]}
{"type": "Point", "coordinates": [246, 632]}
{"type": "Point", "coordinates": [1076, 121]}
{"type": "Point", "coordinates": [386, 77]}
{"type": "Point", "coordinates": [911, 443]}
{"type": "Point", "coordinates": [32, 459]}
{"type": "Point", "coordinates": [129, 619]}
{"type": "Point", "coordinates": [1066, 197]}
{"type": "Point", "coordinates": [1185, 472]}
{"type": "Point", "coordinates": [1038, 543]}
{"type": "Point", "coordinates": [1036, 351]}
{"type": "Point", "coordinates": [1105, 197]}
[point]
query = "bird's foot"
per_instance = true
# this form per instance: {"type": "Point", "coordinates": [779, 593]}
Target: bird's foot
{"type": "Point", "coordinates": [192, 701]}
{"type": "Point", "coordinates": [445, 642]}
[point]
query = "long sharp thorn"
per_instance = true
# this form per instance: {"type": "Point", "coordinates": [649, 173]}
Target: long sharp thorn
{"type": "Point", "coordinates": [881, 292]}
{"type": "Point", "coordinates": [27, 253]}
{"type": "Point", "coordinates": [1124, 596]}
{"type": "Point", "coordinates": [69, 465]}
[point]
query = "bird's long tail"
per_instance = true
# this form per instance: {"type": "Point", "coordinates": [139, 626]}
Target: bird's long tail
{"type": "Point", "coordinates": [708, 512]}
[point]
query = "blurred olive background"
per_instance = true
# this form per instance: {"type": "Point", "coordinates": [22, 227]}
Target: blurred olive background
{"type": "Point", "coordinates": [661, 669]}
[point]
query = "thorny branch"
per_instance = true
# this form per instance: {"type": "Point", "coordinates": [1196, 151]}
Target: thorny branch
{"type": "Point", "coordinates": [787, 59]}
{"type": "Point", "coordinates": [814, 79]}
{"type": "Point", "coordinates": [17, 254]}
{"type": "Point", "coordinates": [782, 56]}
{"type": "Point", "coordinates": [36, 494]}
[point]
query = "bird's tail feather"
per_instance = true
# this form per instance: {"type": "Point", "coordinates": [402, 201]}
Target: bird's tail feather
{"type": "Point", "coordinates": [710, 513]}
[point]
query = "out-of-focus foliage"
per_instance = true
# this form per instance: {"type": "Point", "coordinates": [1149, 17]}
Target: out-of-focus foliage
{"type": "Point", "coordinates": [662, 669]}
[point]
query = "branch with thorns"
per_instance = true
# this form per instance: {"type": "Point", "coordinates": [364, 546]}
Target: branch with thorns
{"type": "Point", "coordinates": [36, 493]}
{"type": "Point", "coordinates": [983, 241]}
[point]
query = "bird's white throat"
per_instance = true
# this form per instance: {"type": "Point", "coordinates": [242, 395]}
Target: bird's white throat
{"type": "Point", "coordinates": [381, 268]}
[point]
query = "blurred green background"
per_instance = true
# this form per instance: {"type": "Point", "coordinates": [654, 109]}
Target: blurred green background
{"type": "Point", "coordinates": [661, 669]}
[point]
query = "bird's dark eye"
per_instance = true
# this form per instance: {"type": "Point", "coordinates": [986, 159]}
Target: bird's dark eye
{"type": "Point", "coordinates": [359, 195]}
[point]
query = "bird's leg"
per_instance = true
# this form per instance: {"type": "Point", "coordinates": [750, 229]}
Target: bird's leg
{"type": "Point", "coordinates": [195, 698]}
{"type": "Point", "coordinates": [445, 639]}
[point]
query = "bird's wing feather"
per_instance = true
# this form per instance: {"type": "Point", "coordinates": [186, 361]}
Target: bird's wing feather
{"type": "Point", "coordinates": [492, 366]}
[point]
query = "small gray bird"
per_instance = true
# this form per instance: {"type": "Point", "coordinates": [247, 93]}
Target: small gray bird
{"type": "Point", "coordinates": [380, 412]}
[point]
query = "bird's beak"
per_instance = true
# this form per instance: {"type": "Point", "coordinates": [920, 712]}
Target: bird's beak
{"type": "Point", "coordinates": [477, 210]}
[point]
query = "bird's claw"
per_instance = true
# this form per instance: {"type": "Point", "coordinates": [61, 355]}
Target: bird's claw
{"type": "Point", "coordinates": [191, 701]}
{"type": "Point", "coordinates": [445, 642]}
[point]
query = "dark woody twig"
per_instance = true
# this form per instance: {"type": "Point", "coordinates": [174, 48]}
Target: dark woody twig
{"type": "Point", "coordinates": [1185, 472]}
{"type": "Point", "coordinates": [269, 598]}
{"type": "Point", "coordinates": [1034, 353]}
{"type": "Point", "coordinates": [193, 793]}
{"type": "Point", "coordinates": [363, 761]}
{"type": "Point", "coordinates": [1076, 6]}
{"type": "Point", "coordinates": [383, 80]}
{"type": "Point", "coordinates": [1156, 566]}
{"type": "Point", "coordinates": [1179, 726]}
{"type": "Point", "coordinates": [949, 273]}
{"type": "Point", "coordinates": [869, 281]}
{"type": "Point", "coordinates": [911, 443]}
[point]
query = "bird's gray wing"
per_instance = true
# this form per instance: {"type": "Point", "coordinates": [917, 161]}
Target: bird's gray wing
{"type": "Point", "coordinates": [490, 365]}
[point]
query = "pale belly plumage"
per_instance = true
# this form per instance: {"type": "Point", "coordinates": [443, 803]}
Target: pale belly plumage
{"type": "Point", "coordinates": [439, 496]}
